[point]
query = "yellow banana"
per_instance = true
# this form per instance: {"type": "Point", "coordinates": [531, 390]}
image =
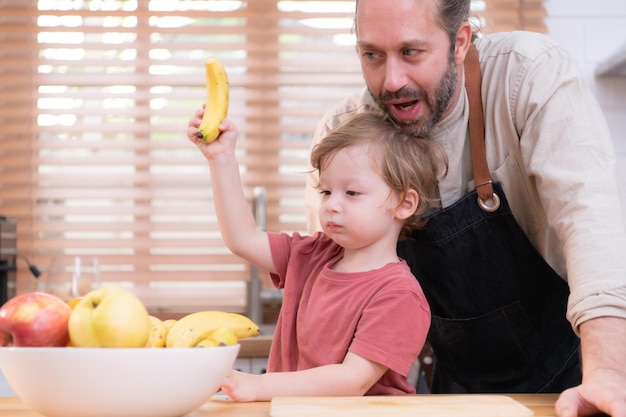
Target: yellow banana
{"type": "Point", "coordinates": [169, 323]}
{"type": "Point", "coordinates": [221, 327]}
{"type": "Point", "coordinates": [158, 333]}
{"type": "Point", "coordinates": [219, 337]}
{"type": "Point", "coordinates": [207, 343]}
{"type": "Point", "coordinates": [224, 336]}
{"type": "Point", "coordinates": [217, 96]}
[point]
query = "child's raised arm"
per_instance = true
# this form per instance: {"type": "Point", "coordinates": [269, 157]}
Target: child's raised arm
{"type": "Point", "coordinates": [234, 214]}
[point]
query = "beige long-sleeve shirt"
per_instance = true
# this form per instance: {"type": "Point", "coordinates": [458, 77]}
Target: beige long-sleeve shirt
{"type": "Point", "coordinates": [548, 143]}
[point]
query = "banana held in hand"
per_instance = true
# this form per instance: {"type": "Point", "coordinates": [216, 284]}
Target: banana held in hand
{"type": "Point", "coordinates": [210, 328]}
{"type": "Point", "coordinates": [217, 95]}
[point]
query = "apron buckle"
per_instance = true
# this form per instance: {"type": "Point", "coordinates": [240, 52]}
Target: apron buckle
{"type": "Point", "coordinates": [491, 204]}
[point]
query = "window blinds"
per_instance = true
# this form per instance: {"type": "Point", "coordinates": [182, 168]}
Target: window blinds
{"type": "Point", "coordinates": [95, 96]}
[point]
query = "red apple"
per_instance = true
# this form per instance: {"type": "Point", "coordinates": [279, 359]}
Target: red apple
{"type": "Point", "coordinates": [34, 319]}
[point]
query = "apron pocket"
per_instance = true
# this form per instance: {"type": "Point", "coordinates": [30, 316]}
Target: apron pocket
{"type": "Point", "coordinates": [500, 339]}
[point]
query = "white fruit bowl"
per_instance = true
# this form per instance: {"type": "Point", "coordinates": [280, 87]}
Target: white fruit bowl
{"type": "Point", "coordinates": [108, 382]}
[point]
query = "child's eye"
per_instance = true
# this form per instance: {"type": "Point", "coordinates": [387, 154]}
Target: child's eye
{"type": "Point", "coordinates": [352, 193]}
{"type": "Point", "coordinates": [324, 192]}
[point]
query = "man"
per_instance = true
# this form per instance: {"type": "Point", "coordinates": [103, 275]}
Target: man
{"type": "Point", "coordinates": [502, 274]}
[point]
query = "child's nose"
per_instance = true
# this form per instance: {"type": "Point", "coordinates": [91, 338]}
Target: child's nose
{"type": "Point", "coordinates": [332, 204]}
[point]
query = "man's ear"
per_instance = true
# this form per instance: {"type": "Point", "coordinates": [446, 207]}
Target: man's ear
{"type": "Point", "coordinates": [408, 205]}
{"type": "Point", "coordinates": [462, 42]}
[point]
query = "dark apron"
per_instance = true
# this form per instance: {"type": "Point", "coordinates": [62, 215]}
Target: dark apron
{"type": "Point", "coordinates": [498, 309]}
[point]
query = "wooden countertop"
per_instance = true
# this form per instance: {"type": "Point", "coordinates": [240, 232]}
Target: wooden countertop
{"type": "Point", "coordinates": [541, 404]}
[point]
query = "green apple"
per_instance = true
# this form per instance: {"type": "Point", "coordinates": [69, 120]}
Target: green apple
{"type": "Point", "coordinates": [109, 316]}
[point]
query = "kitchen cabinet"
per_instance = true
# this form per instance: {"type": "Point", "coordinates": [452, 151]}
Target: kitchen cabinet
{"type": "Point", "coordinates": [251, 365]}
{"type": "Point", "coordinates": [254, 352]}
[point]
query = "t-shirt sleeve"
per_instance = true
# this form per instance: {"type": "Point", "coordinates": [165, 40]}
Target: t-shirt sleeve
{"type": "Point", "coordinates": [294, 251]}
{"type": "Point", "coordinates": [280, 246]}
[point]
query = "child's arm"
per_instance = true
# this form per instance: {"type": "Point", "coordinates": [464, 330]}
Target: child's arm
{"type": "Point", "coordinates": [354, 377]}
{"type": "Point", "coordinates": [234, 214]}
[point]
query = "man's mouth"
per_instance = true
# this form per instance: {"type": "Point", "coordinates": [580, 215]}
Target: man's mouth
{"type": "Point", "coordinates": [404, 111]}
{"type": "Point", "coordinates": [405, 106]}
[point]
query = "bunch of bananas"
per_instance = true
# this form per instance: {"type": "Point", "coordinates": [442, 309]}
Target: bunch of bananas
{"type": "Point", "coordinates": [217, 97]}
{"type": "Point", "coordinates": [201, 329]}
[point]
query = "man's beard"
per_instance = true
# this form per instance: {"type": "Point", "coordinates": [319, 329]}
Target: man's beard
{"type": "Point", "coordinates": [438, 104]}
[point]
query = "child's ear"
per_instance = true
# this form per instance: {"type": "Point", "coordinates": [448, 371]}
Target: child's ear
{"type": "Point", "coordinates": [408, 205]}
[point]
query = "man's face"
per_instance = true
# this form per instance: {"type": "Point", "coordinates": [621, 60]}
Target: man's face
{"type": "Point", "coordinates": [407, 61]}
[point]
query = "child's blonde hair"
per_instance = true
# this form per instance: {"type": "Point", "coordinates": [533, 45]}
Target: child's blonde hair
{"type": "Point", "coordinates": [404, 162]}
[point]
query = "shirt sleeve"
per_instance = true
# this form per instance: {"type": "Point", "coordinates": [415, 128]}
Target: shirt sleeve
{"type": "Point", "coordinates": [568, 150]}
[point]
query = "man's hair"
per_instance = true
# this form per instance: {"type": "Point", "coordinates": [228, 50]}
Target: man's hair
{"type": "Point", "coordinates": [452, 14]}
{"type": "Point", "coordinates": [403, 161]}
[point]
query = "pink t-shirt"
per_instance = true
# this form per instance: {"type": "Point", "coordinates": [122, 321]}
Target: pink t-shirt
{"type": "Point", "coordinates": [381, 315]}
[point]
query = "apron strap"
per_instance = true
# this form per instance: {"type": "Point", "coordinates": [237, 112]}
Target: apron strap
{"type": "Point", "coordinates": [487, 199]}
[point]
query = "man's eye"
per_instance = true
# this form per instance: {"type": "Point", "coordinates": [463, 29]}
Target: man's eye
{"type": "Point", "coordinates": [411, 52]}
{"type": "Point", "coordinates": [370, 56]}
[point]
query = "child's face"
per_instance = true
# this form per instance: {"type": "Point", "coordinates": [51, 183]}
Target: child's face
{"type": "Point", "coordinates": [357, 207]}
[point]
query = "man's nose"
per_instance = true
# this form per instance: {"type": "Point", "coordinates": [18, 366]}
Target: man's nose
{"type": "Point", "coordinates": [395, 75]}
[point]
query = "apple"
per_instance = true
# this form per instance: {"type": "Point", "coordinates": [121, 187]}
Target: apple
{"type": "Point", "coordinates": [34, 319]}
{"type": "Point", "coordinates": [109, 316]}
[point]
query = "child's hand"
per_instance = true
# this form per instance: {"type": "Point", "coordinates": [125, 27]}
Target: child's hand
{"type": "Point", "coordinates": [194, 124]}
{"type": "Point", "coordinates": [240, 386]}
{"type": "Point", "coordinates": [225, 142]}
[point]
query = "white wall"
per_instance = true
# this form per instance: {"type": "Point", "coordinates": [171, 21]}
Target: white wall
{"type": "Point", "coordinates": [592, 31]}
